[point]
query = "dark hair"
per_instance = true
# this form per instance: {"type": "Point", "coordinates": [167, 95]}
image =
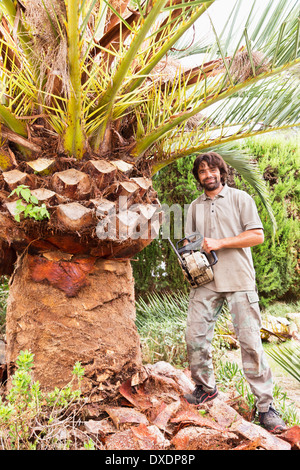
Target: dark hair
{"type": "Point", "coordinates": [212, 159]}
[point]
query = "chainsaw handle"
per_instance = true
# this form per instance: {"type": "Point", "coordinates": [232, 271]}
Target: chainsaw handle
{"type": "Point", "coordinates": [192, 245]}
{"type": "Point", "coordinates": [213, 253]}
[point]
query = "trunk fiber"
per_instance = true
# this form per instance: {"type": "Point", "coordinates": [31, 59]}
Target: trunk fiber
{"type": "Point", "coordinates": [96, 327]}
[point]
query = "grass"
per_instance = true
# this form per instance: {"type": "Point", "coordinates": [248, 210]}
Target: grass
{"type": "Point", "coordinates": [282, 309]}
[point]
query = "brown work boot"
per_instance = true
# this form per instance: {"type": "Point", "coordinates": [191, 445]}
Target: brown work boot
{"type": "Point", "coordinates": [271, 420]}
{"type": "Point", "coordinates": [200, 396]}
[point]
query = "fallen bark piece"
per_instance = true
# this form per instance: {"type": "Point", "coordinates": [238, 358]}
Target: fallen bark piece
{"type": "Point", "coordinates": [122, 415]}
{"type": "Point", "coordinates": [222, 413]}
{"type": "Point", "coordinates": [15, 178]}
{"type": "Point", "coordinates": [103, 206]}
{"type": "Point", "coordinates": [99, 428]}
{"type": "Point", "coordinates": [167, 370]}
{"type": "Point", "coordinates": [253, 431]}
{"type": "Point", "coordinates": [198, 438]}
{"type": "Point", "coordinates": [150, 437]}
{"type": "Point", "coordinates": [166, 412]}
{"type": "Point", "coordinates": [248, 445]}
{"type": "Point", "coordinates": [22, 142]}
{"type": "Point", "coordinates": [136, 396]}
{"type": "Point", "coordinates": [292, 435]}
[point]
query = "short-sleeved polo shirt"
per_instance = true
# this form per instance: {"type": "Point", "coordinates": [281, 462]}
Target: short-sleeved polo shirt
{"type": "Point", "coordinates": [230, 213]}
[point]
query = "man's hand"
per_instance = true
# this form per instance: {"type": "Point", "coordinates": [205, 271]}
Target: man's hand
{"type": "Point", "coordinates": [211, 244]}
{"type": "Point", "coordinates": [243, 240]}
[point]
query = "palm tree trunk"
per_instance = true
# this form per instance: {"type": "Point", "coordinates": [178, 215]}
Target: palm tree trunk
{"type": "Point", "coordinates": [96, 327]}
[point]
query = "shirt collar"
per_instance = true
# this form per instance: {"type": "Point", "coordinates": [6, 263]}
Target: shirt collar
{"type": "Point", "coordinates": [222, 193]}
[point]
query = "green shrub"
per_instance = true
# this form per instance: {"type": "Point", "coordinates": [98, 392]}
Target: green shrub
{"type": "Point", "coordinates": [31, 419]}
{"type": "Point", "coordinates": [275, 261]}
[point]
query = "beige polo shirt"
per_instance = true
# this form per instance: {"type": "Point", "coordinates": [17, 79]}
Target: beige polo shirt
{"type": "Point", "coordinates": [230, 213]}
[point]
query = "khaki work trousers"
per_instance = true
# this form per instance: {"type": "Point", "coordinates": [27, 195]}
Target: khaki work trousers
{"type": "Point", "coordinates": [204, 307]}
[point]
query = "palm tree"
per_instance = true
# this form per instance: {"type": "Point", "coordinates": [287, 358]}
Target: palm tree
{"type": "Point", "coordinates": [92, 105]}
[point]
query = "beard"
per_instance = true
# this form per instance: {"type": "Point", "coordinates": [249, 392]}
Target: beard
{"type": "Point", "coordinates": [212, 184]}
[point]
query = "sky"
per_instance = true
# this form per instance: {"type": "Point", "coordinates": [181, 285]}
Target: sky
{"type": "Point", "coordinates": [220, 11]}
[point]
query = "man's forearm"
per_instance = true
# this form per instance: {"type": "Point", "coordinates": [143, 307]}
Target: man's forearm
{"type": "Point", "coordinates": [243, 240]}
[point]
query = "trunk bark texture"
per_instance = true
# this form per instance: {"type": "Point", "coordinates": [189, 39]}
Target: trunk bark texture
{"type": "Point", "coordinates": [96, 327]}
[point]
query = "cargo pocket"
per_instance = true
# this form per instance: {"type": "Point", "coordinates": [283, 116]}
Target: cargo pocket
{"type": "Point", "coordinates": [249, 337]}
{"type": "Point", "coordinates": [252, 297]}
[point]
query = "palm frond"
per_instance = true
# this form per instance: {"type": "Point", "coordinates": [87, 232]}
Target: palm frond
{"type": "Point", "coordinates": [12, 122]}
{"type": "Point", "coordinates": [74, 137]}
{"type": "Point", "coordinates": [107, 100]}
{"type": "Point", "coordinates": [287, 355]}
{"type": "Point", "coordinates": [13, 14]}
{"type": "Point", "coordinates": [259, 80]}
{"type": "Point", "coordinates": [169, 39]}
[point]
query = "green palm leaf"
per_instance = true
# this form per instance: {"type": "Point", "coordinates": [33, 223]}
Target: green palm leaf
{"type": "Point", "coordinates": [288, 357]}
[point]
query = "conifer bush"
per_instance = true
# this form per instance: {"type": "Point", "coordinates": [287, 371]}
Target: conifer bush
{"type": "Point", "coordinates": [277, 271]}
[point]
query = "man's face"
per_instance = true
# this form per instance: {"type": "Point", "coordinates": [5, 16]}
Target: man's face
{"type": "Point", "coordinates": [209, 177]}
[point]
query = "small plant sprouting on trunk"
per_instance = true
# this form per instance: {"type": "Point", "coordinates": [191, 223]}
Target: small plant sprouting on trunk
{"type": "Point", "coordinates": [28, 205]}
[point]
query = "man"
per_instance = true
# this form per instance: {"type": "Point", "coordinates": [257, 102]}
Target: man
{"type": "Point", "coordinates": [229, 222]}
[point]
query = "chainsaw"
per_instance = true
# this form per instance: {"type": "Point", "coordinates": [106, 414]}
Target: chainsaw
{"type": "Point", "coordinates": [194, 263]}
